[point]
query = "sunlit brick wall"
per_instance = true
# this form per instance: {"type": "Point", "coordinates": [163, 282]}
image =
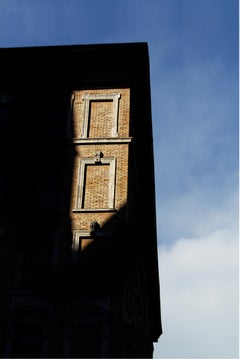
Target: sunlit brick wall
{"type": "Point", "coordinates": [99, 137]}
{"type": "Point", "coordinates": [101, 113]}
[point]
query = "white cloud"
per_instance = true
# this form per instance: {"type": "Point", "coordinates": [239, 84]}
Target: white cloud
{"type": "Point", "coordinates": [199, 297]}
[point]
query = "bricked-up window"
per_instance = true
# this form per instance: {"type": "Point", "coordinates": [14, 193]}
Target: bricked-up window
{"type": "Point", "coordinates": [96, 189]}
{"type": "Point", "coordinates": [96, 184]}
{"type": "Point", "coordinates": [100, 115]}
{"type": "Point", "coordinates": [81, 240]}
{"type": "Point", "coordinates": [100, 122]}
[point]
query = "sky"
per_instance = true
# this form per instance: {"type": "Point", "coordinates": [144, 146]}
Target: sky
{"type": "Point", "coordinates": [193, 52]}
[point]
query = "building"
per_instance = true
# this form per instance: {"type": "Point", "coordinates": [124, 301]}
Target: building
{"type": "Point", "coordinates": [78, 255]}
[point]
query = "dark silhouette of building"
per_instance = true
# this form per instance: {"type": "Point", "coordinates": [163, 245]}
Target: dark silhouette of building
{"type": "Point", "coordinates": [78, 247]}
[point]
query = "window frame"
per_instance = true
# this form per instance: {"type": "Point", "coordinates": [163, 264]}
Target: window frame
{"type": "Point", "coordinates": [81, 186]}
{"type": "Point", "coordinates": [88, 98]}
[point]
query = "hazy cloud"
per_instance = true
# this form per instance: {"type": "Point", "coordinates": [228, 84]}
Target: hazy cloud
{"type": "Point", "coordinates": [199, 296]}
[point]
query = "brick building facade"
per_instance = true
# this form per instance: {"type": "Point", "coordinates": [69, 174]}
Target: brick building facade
{"type": "Point", "coordinates": [79, 266]}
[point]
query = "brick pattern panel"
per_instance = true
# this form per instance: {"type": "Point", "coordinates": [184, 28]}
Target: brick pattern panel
{"type": "Point", "coordinates": [100, 119]}
{"type": "Point", "coordinates": [96, 186]}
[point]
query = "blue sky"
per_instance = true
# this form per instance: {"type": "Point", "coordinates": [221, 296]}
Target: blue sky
{"type": "Point", "coordinates": [193, 49]}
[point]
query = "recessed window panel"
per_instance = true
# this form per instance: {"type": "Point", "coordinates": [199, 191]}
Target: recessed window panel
{"type": "Point", "coordinates": [96, 184]}
{"type": "Point", "coordinates": [96, 191]}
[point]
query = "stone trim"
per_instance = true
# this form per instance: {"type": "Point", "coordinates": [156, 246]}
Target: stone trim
{"type": "Point", "coordinates": [79, 234]}
{"type": "Point", "coordinates": [100, 97]}
{"type": "Point", "coordinates": [94, 210]}
{"type": "Point", "coordinates": [88, 141]}
{"type": "Point", "coordinates": [82, 179]}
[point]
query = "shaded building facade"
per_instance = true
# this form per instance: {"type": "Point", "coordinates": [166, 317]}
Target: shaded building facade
{"type": "Point", "coordinates": [78, 245]}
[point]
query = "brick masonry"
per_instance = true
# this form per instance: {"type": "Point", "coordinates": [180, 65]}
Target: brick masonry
{"type": "Point", "coordinates": [97, 179]}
